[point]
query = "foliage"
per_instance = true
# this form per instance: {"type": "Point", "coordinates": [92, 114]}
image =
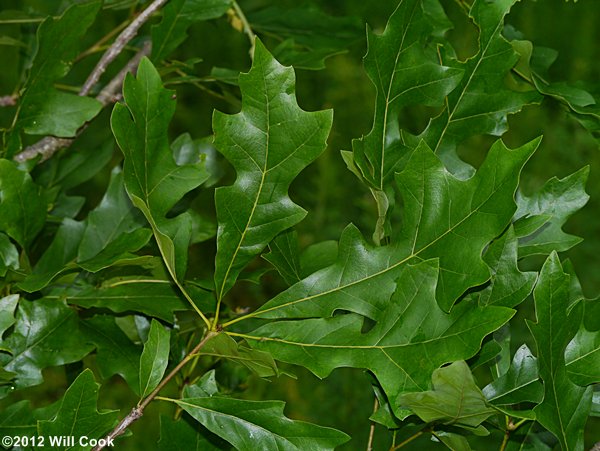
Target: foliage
{"type": "Point", "coordinates": [109, 297]}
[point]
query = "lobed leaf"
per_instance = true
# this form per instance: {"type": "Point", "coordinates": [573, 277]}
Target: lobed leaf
{"type": "Point", "coordinates": [154, 182]}
{"type": "Point", "coordinates": [269, 142]}
{"type": "Point", "coordinates": [566, 406]}
{"type": "Point", "coordinates": [251, 425]}
{"type": "Point", "coordinates": [78, 413]}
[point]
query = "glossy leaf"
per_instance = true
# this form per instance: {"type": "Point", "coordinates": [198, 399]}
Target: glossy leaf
{"type": "Point", "coordinates": [46, 333]}
{"type": "Point", "coordinates": [115, 353]}
{"type": "Point", "coordinates": [59, 256]}
{"type": "Point", "coordinates": [269, 142]}
{"type": "Point", "coordinates": [178, 16]}
{"type": "Point", "coordinates": [412, 338]}
{"type": "Point", "coordinates": [153, 180]}
{"type": "Point", "coordinates": [405, 72]}
{"type": "Point", "coordinates": [184, 434]}
{"type": "Point", "coordinates": [284, 256]}
{"type": "Point", "coordinates": [454, 400]}
{"type": "Point", "coordinates": [42, 108]}
{"type": "Point", "coordinates": [508, 285]}
{"type": "Point", "coordinates": [583, 357]}
{"type": "Point", "coordinates": [251, 425]}
{"type": "Point", "coordinates": [152, 297]}
{"type": "Point", "coordinates": [8, 305]}
{"type": "Point", "coordinates": [154, 359]}
{"type": "Point", "coordinates": [558, 200]}
{"type": "Point", "coordinates": [445, 218]}
{"type": "Point", "coordinates": [482, 101]}
{"type": "Point", "coordinates": [78, 413]}
{"type": "Point", "coordinates": [566, 406]}
{"type": "Point", "coordinates": [9, 257]}
{"type": "Point", "coordinates": [23, 208]}
{"type": "Point", "coordinates": [519, 384]}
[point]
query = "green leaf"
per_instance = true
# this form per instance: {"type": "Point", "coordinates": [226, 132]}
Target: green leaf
{"type": "Point", "coordinates": [78, 413]}
{"type": "Point", "coordinates": [42, 108]}
{"type": "Point", "coordinates": [566, 406]}
{"type": "Point", "coordinates": [115, 353]}
{"type": "Point", "coordinates": [23, 208]}
{"type": "Point", "coordinates": [153, 297]}
{"type": "Point", "coordinates": [558, 199]}
{"type": "Point", "coordinates": [222, 346]}
{"type": "Point", "coordinates": [269, 142]}
{"type": "Point", "coordinates": [178, 16]}
{"type": "Point", "coordinates": [519, 384]}
{"type": "Point", "coordinates": [583, 357]}
{"type": "Point", "coordinates": [508, 286]}
{"type": "Point", "coordinates": [251, 425]}
{"type": "Point", "coordinates": [412, 338]}
{"type": "Point", "coordinates": [9, 256]}
{"type": "Point", "coordinates": [114, 216]}
{"type": "Point", "coordinates": [206, 386]}
{"type": "Point", "coordinates": [154, 359]}
{"type": "Point", "coordinates": [475, 211]}
{"type": "Point", "coordinates": [153, 180]}
{"type": "Point", "coordinates": [284, 256]}
{"type": "Point", "coordinates": [59, 256]}
{"type": "Point", "coordinates": [8, 304]}
{"type": "Point", "coordinates": [184, 434]}
{"type": "Point", "coordinates": [405, 72]}
{"type": "Point", "coordinates": [454, 400]}
{"type": "Point", "coordinates": [46, 333]}
{"type": "Point", "coordinates": [481, 102]}
{"type": "Point", "coordinates": [308, 35]}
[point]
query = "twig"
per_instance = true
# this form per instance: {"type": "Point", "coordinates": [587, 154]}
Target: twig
{"type": "Point", "coordinates": [246, 27]}
{"type": "Point", "coordinates": [372, 428]}
{"type": "Point", "coordinates": [8, 100]}
{"type": "Point", "coordinates": [408, 440]}
{"type": "Point", "coordinates": [48, 146]}
{"type": "Point", "coordinates": [120, 42]}
{"type": "Point", "coordinates": [137, 412]}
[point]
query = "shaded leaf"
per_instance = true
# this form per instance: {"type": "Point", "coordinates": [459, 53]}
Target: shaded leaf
{"type": "Point", "coordinates": [152, 297]}
{"type": "Point", "coordinates": [558, 199]}
{"type": "Point", "coordinates": [269, 142]}
{"type": "Point", "coordinates": [182, 434]}
{"type": "Point", "coordinates": [42, 109]}
{"type": "Point", "coordinates": [78, 413]}
{"type": "Point", "coordinates": [481, 102]}
{"type": "Point", "coordinates": [23, 208]}
{"type": "Point", "coordinates": [308, 35]}
{"type": "Point", "coordinates": [9, 256]}
{"type": "Point", "coordinates": [153, 180]}
{"type": "Point", "coordinates": [8, 304]}
{"type": "Point", "coordinates": [178, 16]}
{"type": "Point", "coordinates": [566, 406]}
{"type": "Point", "coordinates": [115, 353]}
{"type": "Point", "coordinates": [405, 72]}
{"type": "Point", "coordinates": [411, 339]}
{"type": "Point", "coordinates": [154, 359]}
{"type": "Point", "coordinates": [110, 226]}
{"type": "Point", "coordinates": [508, 286]}
{"type": "Point", "coordinates": [59, 256]}
{"type": "Point", "coordinates": [519, 384]}
{"type": "Point", "coordinates": [284, 256]}
{"type": "Point", "coordinates": [251, 425]}
{"type": "Point", "coordinates": [46, 333]}
{"type": "Point", "coordinates": [261, 363]}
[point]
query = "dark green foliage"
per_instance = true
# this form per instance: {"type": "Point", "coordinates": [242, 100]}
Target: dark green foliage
{"type": "Point", "coordinates": [205, 273]}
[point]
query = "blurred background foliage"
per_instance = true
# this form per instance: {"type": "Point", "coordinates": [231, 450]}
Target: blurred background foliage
{"type": "Point", "coordinates": [327, 189]}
